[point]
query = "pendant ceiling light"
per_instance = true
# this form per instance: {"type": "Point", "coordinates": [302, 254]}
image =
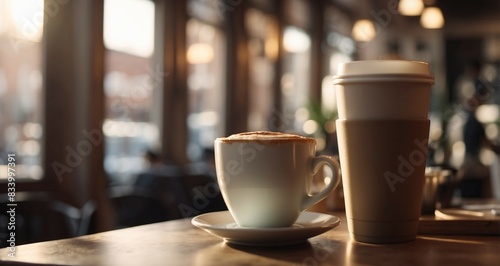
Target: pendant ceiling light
{"type": "Point", "coordinates": [432, 18]}
{"type": "Point", "coordinates": [410, 7]}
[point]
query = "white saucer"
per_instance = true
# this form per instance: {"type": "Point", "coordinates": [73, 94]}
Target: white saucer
{"type": "Point", "coordinates": [308, 224]}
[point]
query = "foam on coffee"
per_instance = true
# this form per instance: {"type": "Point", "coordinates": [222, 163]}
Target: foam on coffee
{"type": "Point", "coordinates": [267, 136]}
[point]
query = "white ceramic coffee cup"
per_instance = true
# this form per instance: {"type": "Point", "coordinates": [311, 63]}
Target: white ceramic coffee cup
{"type": "Point", "coordinates": [265, 177]}
{"type": "Point", "coordinates": [383, 89]}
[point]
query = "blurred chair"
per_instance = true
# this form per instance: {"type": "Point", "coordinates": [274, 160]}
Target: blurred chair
{"type": "Point", "coordinates": [202, 190]}
{"type": "Point", "coordinates": [39, 217]}
{"type": "Point", "coordinates": [137, 206]}
{"type": "Point", "coordinates": [154, 197]}
{"type": "Point", "coordinates": [174, 192]}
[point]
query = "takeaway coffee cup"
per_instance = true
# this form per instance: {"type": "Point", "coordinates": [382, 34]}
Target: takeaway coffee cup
{"type": "Point", "coordinates": [265, 177]}
{"type": "Point", "coordinates": [382, 132]}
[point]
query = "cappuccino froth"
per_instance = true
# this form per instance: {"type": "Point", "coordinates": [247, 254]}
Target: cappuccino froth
{"type": "Point", "coordinates": [265, 136]}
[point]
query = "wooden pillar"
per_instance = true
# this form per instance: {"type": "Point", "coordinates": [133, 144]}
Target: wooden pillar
{"type": "Point", "coordinates": [73, 65]}
{"type": "Point", "coordinates": [237, 65]}
{"type": "Point", "coordinates": [277, 119]}
{"type": "Point", "coordinates": [317, 34]}
{"type": "Point", "coordinates": [170, 24]}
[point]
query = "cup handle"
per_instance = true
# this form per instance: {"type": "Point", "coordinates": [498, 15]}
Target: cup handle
{"type": "Point", "coordinates": [314, 166]}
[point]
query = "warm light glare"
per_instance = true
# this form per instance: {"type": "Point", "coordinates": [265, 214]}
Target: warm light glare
{"type": "Point", "coordinates": [436, 128]}
{"type": "Point", "coordinates": [296, 40]}
{"type": "Point", "coordinates": [363, 30]}
{"type": "Point", "coordinates": [457, 153]}
{"type": "Point", "coordinates": [32, 130]}
{"type": "Point", "coordinates": [310, 127]}
{"type": "Point", "coordinates": [288, 84]}
{"type": "Point", "coordinates": [271, 47]}
{"type": "Point", "coordinates": [26, 19]}
{"type": "Point", "coordinates": [33, 171]}
{"type": "Point", "coordinates": [410, 7]}
{"type": "Point", "coordinates": [203, 119]}
{"type": "Point", "coordinates": [329, 97]}
{"type": "Point", "coordinates": [491, 131]}
{"type": "Point", "coordinates": [486, 156]}
{"type": "Point", "coordinates": [458, 148]}
{"type": "Point", "coordinates": [320, 144]}
{"type": "Point", "coordinates": [129, 26]}
{"type": "Point", "coordinates": [488, 113]}
{"type": "Point", "coordinates": [432, 18]}
{"type": "Point", "coordinates": [302, 114]}
{"type": "Point", "coordinates": [120, 129]}
{"type": "Point", "coordinates": [200, 53]}
{"type": "Point", "coordinates": [330, 126]}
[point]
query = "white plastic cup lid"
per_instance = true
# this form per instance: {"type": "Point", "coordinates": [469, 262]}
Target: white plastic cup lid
{"type": "Point", "coordinates": [383, 70]}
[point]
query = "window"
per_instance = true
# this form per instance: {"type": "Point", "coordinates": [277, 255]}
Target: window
{"type": "Point", "coordinates": [206, 85]}
{"type": "Point", "coordinates": [263, 52]}
{"type": "Point", "coordinates": [21, 31]}
{"type": "Point", "coordinates": [129, 86]}
{"type": "Point", "coordinates": [339, 49]}
{"type": "Point", "coordinates": [295, 81]}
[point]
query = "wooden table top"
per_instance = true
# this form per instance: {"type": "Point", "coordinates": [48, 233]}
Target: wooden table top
{"type": "Point", "coordinates": [180, 243]}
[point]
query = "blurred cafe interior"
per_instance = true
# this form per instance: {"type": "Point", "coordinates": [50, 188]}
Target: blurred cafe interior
{"type": "Point", "coordinates": [109, 108]}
